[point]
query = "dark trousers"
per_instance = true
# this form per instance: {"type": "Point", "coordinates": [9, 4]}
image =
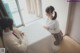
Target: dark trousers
{"type": "Point", "coordinates": [58, 37]}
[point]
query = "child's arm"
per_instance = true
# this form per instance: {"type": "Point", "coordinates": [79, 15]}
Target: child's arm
{"type": "Point", "coordinates": [46, 27]}
{"type": "Point", "coordinates": [56, 27]}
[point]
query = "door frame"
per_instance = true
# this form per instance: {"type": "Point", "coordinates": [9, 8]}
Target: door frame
{"type": "Point", "coordinates": [70, 19]}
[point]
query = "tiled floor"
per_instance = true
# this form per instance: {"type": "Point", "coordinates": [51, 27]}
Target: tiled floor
{"type": "Point", "coordinates": [69, 46]}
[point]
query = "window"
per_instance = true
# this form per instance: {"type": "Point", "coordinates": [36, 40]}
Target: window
{"type": "Point", "coordinates": [12, 11]}
{"type": "Point", "coordinates": [23, 11]}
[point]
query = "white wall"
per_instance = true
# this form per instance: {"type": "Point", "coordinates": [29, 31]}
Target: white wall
{"type": "Point", "coordinates": [61, 6]}
{"type": "Point", "coordinates": [75, 32]}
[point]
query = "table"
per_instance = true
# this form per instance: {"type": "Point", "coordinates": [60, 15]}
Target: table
{"type": "Point", "coordinates": [39, 39]}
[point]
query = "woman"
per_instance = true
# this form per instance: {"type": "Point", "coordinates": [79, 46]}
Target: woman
{"type": "Point", "coordinates": [12, 38]}
{"type": "Point", "coordinates": [52, 24]}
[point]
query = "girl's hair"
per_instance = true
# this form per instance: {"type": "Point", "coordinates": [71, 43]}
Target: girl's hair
{"type": "Point", "coordinates": [50, 9]}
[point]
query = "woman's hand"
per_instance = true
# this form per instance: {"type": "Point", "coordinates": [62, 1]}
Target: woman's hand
{"type": "Point", "coordinates": [22, 34]}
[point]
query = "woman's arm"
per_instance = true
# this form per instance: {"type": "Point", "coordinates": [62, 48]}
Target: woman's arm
{"type": "Point", "coordinates": [15, 45]}
{"type": "Point", "coordinates": [18, 32]}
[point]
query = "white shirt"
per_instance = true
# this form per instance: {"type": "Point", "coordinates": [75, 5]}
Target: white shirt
{"type": "Point", "coordinates": [13, 44]}
{"type": "Point", "coordinates": [52, 25]}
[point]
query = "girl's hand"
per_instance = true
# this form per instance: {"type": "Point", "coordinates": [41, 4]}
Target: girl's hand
{"type": "Point", "coordinates": [45, 27]}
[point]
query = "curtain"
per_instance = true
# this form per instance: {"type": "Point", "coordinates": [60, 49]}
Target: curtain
{"type": "Point", "coordinates": [3, 12]}
{"type": "Point", "coordinates": [34, 7]}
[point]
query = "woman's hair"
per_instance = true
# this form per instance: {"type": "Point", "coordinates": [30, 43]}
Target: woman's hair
{"type": "Point", "coordinates": [1, 32]}
{"type": "Point", "coordinates": [6, 23]}
{"type": "Point", "coordinates": [50, 9]}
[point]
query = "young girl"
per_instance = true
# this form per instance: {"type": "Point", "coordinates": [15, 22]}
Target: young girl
{"type": "Point", "coordinates": [11, 38]}
{"type": "Point", "coordinates": [52, 25]}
